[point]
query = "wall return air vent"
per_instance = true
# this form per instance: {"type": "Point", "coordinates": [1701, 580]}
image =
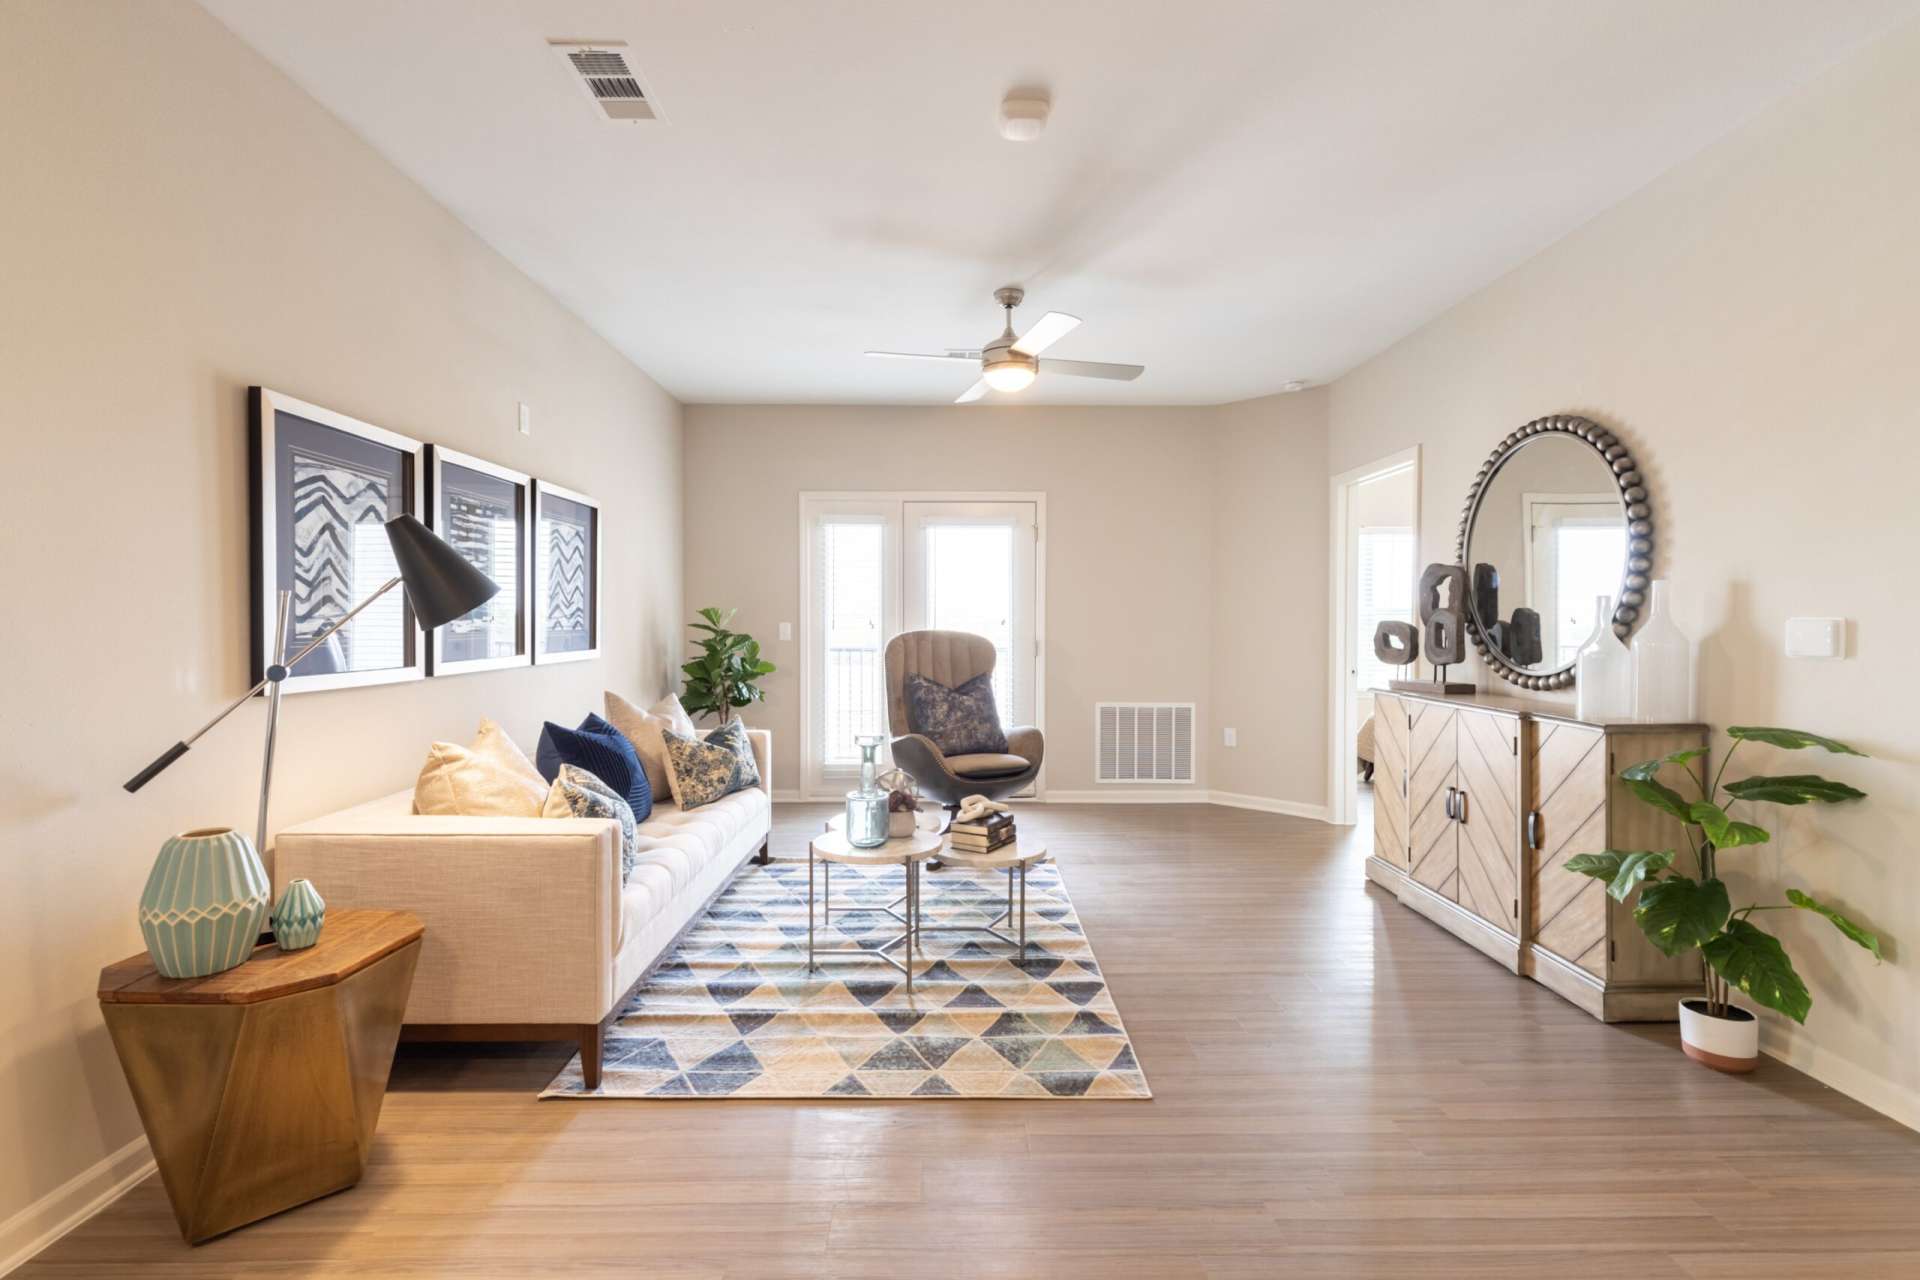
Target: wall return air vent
{"type": "Point", "coordinates": [601, 68]}
{"type": "Point", "coordinates": [1143, 741]}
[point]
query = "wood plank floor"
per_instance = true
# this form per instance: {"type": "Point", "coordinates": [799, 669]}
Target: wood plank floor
{"type": "Point", "coordinates": [1341, 1089]}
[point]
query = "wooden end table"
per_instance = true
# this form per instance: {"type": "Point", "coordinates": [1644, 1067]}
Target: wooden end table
{"type": "Point", "coordinates": [260, 1087]}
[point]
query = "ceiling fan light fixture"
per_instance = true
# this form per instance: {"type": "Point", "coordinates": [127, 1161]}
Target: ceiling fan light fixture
{"type": "Point", "coordinates": [1010, 376]}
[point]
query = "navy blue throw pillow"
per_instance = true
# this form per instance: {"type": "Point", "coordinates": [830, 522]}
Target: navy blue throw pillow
{"type": "Point", "coordinates": [602, 751]}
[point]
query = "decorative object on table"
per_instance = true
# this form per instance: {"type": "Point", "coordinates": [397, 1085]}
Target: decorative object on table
{"type": "Point", "coordinates": [715, 766]}
{"type": "Point", "coordinates": [960, 720]}
{"type": "Point", "coordinates": [323, 486]}
{"type": "Point", "coordinates": [982, 835]}
{"type": "Point", "coordinates": [601, 750]}
{"type": "Point", "coordinates": [1522, 634]}
{"type": "Point", "coordinates": [490, 779]}
{"type": "Point", "coordinates": [440, 586]}
{"type": "Point", "coordinates": [1441, 599]}
{"type": "Point", "coordinates": [260, 1087]}
{"type": "Point", "coordinates": [566, 575]}
{"type": "Point", "coordinates": [903, 813]}
{"type": "Point", "coordinates": [721, 1016]}
{"type": "Point", "coordinates": [485, 512]}
{"type": "Point", "coordinates": [1396, 643]}
{"type": "Point", "coordinates": [951, 658]}
{"type": "Point", "coordinates": [1662, 664]}
{"type": "Point", "coordinates": [1486, 590]}
{"type": "Point", "coordinates": [205, 903]}
{"type": "Point", "coordinates": [726, 673]}
{"type": "Point", "coordinates": [1560, 508]}
{"type": "Point", "coordinates": [1680, 913]}
{"type": "Point", "coordinates": [867, 804]}
{"type": "Point", "coordinates": [1603, 670]}
{"type": "Point", "coordinates": [298, 918]}
{"type": "Point", "coordinates": [646, 730]}
{"type": "Point", "coordinates": [577, 793]}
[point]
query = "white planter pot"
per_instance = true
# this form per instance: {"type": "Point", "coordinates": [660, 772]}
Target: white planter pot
{"type": "Point", "coordinates": [1731, 1043]}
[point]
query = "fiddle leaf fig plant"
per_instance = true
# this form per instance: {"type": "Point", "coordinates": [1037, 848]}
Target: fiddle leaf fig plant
{"type": "Point", "coordinates": [725, 674]}
{"type": "Point", "coordinates": [1681, 913]}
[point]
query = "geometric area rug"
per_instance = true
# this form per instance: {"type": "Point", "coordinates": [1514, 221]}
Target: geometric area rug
{"type": "Point", "coordinates": [733, 1012]}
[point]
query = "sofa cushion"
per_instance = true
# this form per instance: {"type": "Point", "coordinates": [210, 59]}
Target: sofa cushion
{"type": "Point", "coordinates": [703, 771]}
{"type": "Point", "coordinates": [961, 720]}
{"type": "Point", "coordinates": [490, 779]}
{"type": "Point", "coordinates": [601, 750]}
{"type": "Point", "coordinates": [579, 794]}
{"type": "Point", "coordinates": [644, 728]}
{"type": "Point", "coordinates": [988, 764]}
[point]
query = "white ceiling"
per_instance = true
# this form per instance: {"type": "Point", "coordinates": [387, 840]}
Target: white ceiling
{"type": "Point", "coordinates": [1234, 194]}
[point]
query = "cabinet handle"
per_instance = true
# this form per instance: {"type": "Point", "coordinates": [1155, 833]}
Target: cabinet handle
{"type": "Point", "coordinates": [1448, 806]}
{"type": "Point", "coordinates": [1460, 807]}
{"type": "Point", "coordinates": [1533, 829]}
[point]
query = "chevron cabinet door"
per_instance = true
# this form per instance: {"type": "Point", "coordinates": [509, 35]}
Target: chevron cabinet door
{"type": "Point", "coordinates": [1568, 768]}
{"type": "Point", "coordinates": [1433, 754]}
{"type": "Point", "coordinates": [1390, 780]}
{"type": "Point", "coordinates": [1488, 815]}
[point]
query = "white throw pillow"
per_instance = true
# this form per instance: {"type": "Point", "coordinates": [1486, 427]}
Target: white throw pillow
{"type": "Point", "coordinates": [490, 779]}
{"type": "Point", "coordinates": [644, 728]}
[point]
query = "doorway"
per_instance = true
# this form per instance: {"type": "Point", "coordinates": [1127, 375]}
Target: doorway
{"type": "Point", "coordinates": [878, 564]}
{"type": "Point", "coordinates": [1375, 543]}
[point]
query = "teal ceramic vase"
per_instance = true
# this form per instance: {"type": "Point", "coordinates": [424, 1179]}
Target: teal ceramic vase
{"type": "Point", "coordinates": [205, 903]}
{"type": "Point", "coordinates": [297, 920]}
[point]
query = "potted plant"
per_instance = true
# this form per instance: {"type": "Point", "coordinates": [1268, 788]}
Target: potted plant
{"type": "Point", "coordinates": [724, 675]}
{"type": "Point", "coordinates": [1680, 913]}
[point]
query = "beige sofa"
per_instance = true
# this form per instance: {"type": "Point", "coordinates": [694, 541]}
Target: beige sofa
{"type": "Point", "coordinates": [530, 933]}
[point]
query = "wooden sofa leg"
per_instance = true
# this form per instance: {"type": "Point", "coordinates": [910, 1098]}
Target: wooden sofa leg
{"type": "Point", "coordinates": [764, 857]}
{"type": "Point", "coordinates": [592, 1042]}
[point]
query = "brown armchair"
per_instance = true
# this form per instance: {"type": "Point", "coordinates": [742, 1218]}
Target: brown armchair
{"type": "Point", "coordinates": [952, 658]}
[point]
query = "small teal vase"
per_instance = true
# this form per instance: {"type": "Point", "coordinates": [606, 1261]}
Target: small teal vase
{"type": "Point", "coordinates": [297, 920]}
{"type": "Point", "coordinates": [204, 904]}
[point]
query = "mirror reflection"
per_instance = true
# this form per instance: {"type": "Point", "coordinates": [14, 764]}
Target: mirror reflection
{"type": "Point", "coordinates": [1548, 537]}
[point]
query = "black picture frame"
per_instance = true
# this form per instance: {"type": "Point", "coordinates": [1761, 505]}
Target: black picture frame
{"type": "Point", "coordinates": [485, 512]}
{"type": "Point", "coordinates": [566, 575]}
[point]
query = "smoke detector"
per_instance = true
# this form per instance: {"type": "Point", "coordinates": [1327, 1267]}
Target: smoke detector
{"type": "Point", "coordinates": [1023, 115]}
{"type": "Point", "coordinates": [1295, 385]}
{"type": "Point", "coordinates": [600, 68]}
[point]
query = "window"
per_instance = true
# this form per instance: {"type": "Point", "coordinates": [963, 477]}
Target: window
{"type": "Point", "coordinates": [850, 589]}
{"type": "Point", "coordinates": [1385, 594]}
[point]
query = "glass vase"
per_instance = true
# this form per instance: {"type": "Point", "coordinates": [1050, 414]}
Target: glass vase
{"type": "Point", "coordinates": [867, 806]}
{"type": "Point", "coordinates": [1662, 665]}
{"type": "Point", "coordinates": [1603, 671]}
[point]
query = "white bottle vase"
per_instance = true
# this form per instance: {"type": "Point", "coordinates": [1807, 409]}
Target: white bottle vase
{"type": "Point", "coordinates": [1603, 671]}
{"type": "Point", "coordinates": [1662, 664]}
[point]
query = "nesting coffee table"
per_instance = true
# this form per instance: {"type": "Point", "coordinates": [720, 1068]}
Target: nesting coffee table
{"type": "Point", "coordinates": [1014, 859]}
{"type": "Point", "coordinates": [906, 852]}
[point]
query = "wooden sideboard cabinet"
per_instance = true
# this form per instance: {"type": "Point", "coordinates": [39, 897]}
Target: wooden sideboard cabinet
{"type": "Point", "coordinates": [1479, 800]}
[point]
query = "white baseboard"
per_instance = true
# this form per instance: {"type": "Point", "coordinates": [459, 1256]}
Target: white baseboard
{"type": "Point", "coordinates": [1265, 804]}
{"type": "Point", "coordinates": [1890, 1099]}
{"type": "Point", "coordinates": [786, 797]}
{"type": "Point", "coordinates": [1184, 795]}
{"type": "Point", "coordinates": [65, 1207]}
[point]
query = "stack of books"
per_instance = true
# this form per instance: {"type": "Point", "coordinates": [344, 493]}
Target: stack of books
{"type": "Point", "coordinates": [983, 836]}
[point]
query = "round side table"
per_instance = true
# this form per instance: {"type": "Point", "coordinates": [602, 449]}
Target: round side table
{"type": "Point", "coordinates": [907, 853]}
{"type": "Point", "coordinates": [1014, 859]}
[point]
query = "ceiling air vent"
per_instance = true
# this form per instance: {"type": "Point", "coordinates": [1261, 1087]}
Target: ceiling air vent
{"type": "Point", "coordinates": [600, 67]}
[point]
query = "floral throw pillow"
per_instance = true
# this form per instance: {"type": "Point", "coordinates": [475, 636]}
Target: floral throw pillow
{"type": "Point", "coordinates": [577, 793]}
{"type": "Point", "coordinates": [961, 721]}
{"type": "Point", "coordinates": [706, 769]}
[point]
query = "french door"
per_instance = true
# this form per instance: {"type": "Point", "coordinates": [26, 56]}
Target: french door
{"type": "Point", "coordinates": [880, 564]}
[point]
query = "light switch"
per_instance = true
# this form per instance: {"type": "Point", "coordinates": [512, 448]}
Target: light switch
{"type": "Point", "coordinates": [526, 420]}
{"type": "Point", "coordinates": [1231, 737]}
{"type": "Point", "coordinates": [1816, 637]}
{"type": "Point", "coordinates": [786, 631]}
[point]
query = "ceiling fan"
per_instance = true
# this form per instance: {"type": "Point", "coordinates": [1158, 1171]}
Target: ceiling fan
{"type": "Point", "coordinates": [1011, 364]}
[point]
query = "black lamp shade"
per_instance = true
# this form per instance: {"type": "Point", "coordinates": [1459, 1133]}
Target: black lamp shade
{"type": "Point", "coordinates": [440, 584]}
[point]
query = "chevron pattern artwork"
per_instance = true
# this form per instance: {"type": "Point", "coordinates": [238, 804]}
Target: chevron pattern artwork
{"type": "Point", "coordinates": [330, 498]}
{"type": "Point", "coordinates": [734, 1013]}
{"type": "Point", "coordinates": [567, 572]}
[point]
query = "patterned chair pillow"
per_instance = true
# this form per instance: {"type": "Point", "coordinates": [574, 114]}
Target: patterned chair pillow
{"type": "Point", "coordinates": [579, 794]}
{"type": "Point", "coordinates": [961, 721]}
{"type": "Point", "coordinates": [718, 765]}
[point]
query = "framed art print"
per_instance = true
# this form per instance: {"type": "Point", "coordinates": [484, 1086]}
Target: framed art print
{"type": "Point", "coordinates": [324, 487]}
{"type": "Point", "coordinates": [566, 574]}
{"type": "Point", "coordinates": [485, 512]}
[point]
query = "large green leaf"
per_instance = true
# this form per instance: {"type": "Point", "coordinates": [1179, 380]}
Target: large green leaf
{"type": "Point", "coordinates": [1753, 961]}
{"type": "Point", "coordinates": [1657, 794]}
{"type": "Point", "coordinates": [1791, 739]}
{"type": "Point", "coordinates": [1644, 770]}
{"type": "Point", "coordinates": [1622, 870]}
{"type": "Point", "coordinates": [1678, 915]}
{"type": "Point", "coordinates": [1793, 788]}
{"type": "Point", "coordinates": [1722, 830]}
{"type": "Point", "coordinates": [1855, 933]}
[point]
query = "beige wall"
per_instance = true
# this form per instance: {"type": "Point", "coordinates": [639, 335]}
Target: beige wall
{"type": "Point", "coordinates": [1128, 543]}
{"type": "Point", "coordinates": [181, 221]}
{"type": "Point", "coordinates": [1747, 323]}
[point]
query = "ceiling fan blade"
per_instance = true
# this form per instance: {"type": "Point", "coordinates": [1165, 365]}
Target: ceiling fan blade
{"type": "Point", "coordinates": [1094, 369]}
{"type": "Point", "coordinates": [972, 357]}
{"type": "Point", "coordinates": [1046, 331]}
{"type": "Point", "coordinates": [972, 393]}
